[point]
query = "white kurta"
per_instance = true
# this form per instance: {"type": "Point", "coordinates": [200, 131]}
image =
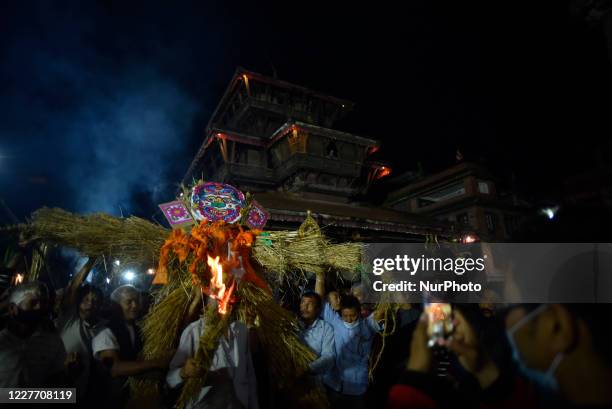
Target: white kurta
{"type": "Point", "coordinates": [233, 353]}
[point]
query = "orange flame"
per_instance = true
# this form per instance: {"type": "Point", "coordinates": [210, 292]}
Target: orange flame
{"type": "Point", "coordinates": [437, 312]}
{"type": "Point", "coordinates": [383, 171]}
{"type": "Point", "coordinates": [217, 287]}
{"type": "Point", "coordinates": [18, 279]}
{"type": "Point", "coordinates": [469, 239]}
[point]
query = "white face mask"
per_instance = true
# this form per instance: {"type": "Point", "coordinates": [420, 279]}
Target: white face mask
{"type": "Point", "coordinates": [547, 378]}
{"type": "Point", "coordinates": [351, 325]}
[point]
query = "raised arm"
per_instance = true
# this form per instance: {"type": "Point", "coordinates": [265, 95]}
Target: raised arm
{"type": "Point", "coordinates": [320, 285]}
{"type": "Point", "coordinates": [75, 283]}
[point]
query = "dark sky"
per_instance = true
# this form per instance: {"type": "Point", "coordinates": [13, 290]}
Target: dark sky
{"type": "Point", "coordinates": [103, 104]}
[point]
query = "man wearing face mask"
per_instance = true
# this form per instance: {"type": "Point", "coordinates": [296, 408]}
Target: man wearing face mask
{"type": "Point", "coordinates": [353, 336]}
{"type": "Point", "coordinates": [561, 352]}
{"type": "Point", "coordinates": [565, 348]}
{"type": "Point", "coordinates": [30, 356]}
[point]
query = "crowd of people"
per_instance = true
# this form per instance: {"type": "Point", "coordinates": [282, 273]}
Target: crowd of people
{"type": "Point", "coordinates": [528, 356]}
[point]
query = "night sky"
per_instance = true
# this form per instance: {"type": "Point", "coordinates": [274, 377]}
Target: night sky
{"type": "Point", "coordinates": [103, 104]}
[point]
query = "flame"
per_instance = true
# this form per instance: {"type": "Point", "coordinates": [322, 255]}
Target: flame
{"type": "Point", "coordinates": [218, 290]}
{"type": "Point", "coordinates": [469, 239]}
{"type": "Point", "coordinates": [437, 312]}
{"type": "Point", "coordinates": [383, 171]}
{"type": "Point", "coordinates": [18, 279]}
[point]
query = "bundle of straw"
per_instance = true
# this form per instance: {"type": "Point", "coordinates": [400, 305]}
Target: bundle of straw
{"type": "Point", "coordinates": [389, 312]}
{"type": "Point", "coordinates": [161, 330]}
{"type": "Point", "coordinates": [131, 239]}
{"type": "Point", "coordinates": [161, 326]}
{"type": "Point", "coordinates": [345, 259]}
{"type": "Point", "coordinates": [284, 252]}
{"type": "Point", "coordinates": [39, 254]}
{"type": "Point", "coordinates": [215, 325]}
{"type": "Point", "coordinates": [278, 332]}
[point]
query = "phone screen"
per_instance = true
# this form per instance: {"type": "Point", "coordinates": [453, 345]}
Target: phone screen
{"type": "Point", "coordinates": [440, 322]}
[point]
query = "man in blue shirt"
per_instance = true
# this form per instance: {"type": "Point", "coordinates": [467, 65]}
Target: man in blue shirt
{"type": "Point", "coordinates": [318, 335]}
{"type": "Point", "coordinates": [353, 337]}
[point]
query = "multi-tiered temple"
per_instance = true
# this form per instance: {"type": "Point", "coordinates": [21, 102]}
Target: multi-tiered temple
{"type": "Point", "coordinates": [276, 140]}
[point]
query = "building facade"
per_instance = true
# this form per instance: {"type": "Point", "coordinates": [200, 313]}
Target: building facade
{"type": "Point", "coordinates": [465, 195]}
{"type": "Point", "coordinates": [277, 141]}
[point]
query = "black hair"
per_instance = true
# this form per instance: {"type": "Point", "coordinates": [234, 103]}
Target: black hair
{"type": "Point", "coordinates": [490, 332]}
{"type": "Point", "coordinates": [72, 312]}
{"type": "Point", "coordinates": [314, 296]}
{"type": "Point", "coordinates": [350, 302]}
{"type": "Point", "coordinates": [577, 224]}
{"type": "Point", "coordinates": [596, 317]}
{"type": "Point", "coordinates": [85, 289]}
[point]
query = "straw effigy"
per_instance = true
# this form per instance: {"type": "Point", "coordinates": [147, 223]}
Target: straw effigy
{"type": "Point", "coordinates": [136, 240]}
{"type": "Point", "coordinates": [133, 239]}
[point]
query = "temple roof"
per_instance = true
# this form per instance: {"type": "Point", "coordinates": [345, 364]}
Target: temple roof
{"type": "Point", "coordinates": [291, 207]}
{"type": "Point", "coordinates": [240, 72]}
{"type": "Point", "coordinates": [332, 133]}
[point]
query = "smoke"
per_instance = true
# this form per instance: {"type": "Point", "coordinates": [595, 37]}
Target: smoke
{"type": "Point", "coordinates": [133, 136]}
{"type": "Point", "coordinates": [88, 122]}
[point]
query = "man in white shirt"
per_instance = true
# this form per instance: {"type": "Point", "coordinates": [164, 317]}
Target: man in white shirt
{"type": "Point", "coordinates": [118, 346]}
{"type": "Point", "coordinates": [230, 382]}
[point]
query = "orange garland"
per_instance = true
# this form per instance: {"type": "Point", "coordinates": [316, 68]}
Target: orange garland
{"type": "Point", "coordinates": [209, 239]}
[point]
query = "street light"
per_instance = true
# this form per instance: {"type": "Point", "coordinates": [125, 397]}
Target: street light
{"type": "Point", "coordinates": [469, 239]}
{"type": "Point", "coordinates": [550, 212]}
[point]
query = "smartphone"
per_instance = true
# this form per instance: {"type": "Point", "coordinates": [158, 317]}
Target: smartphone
{"type": "Point", "coordinates": [439, 322]}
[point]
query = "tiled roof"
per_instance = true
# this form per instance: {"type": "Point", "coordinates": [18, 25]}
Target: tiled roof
{"type": "Point", "coordinates": [291, 207]}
